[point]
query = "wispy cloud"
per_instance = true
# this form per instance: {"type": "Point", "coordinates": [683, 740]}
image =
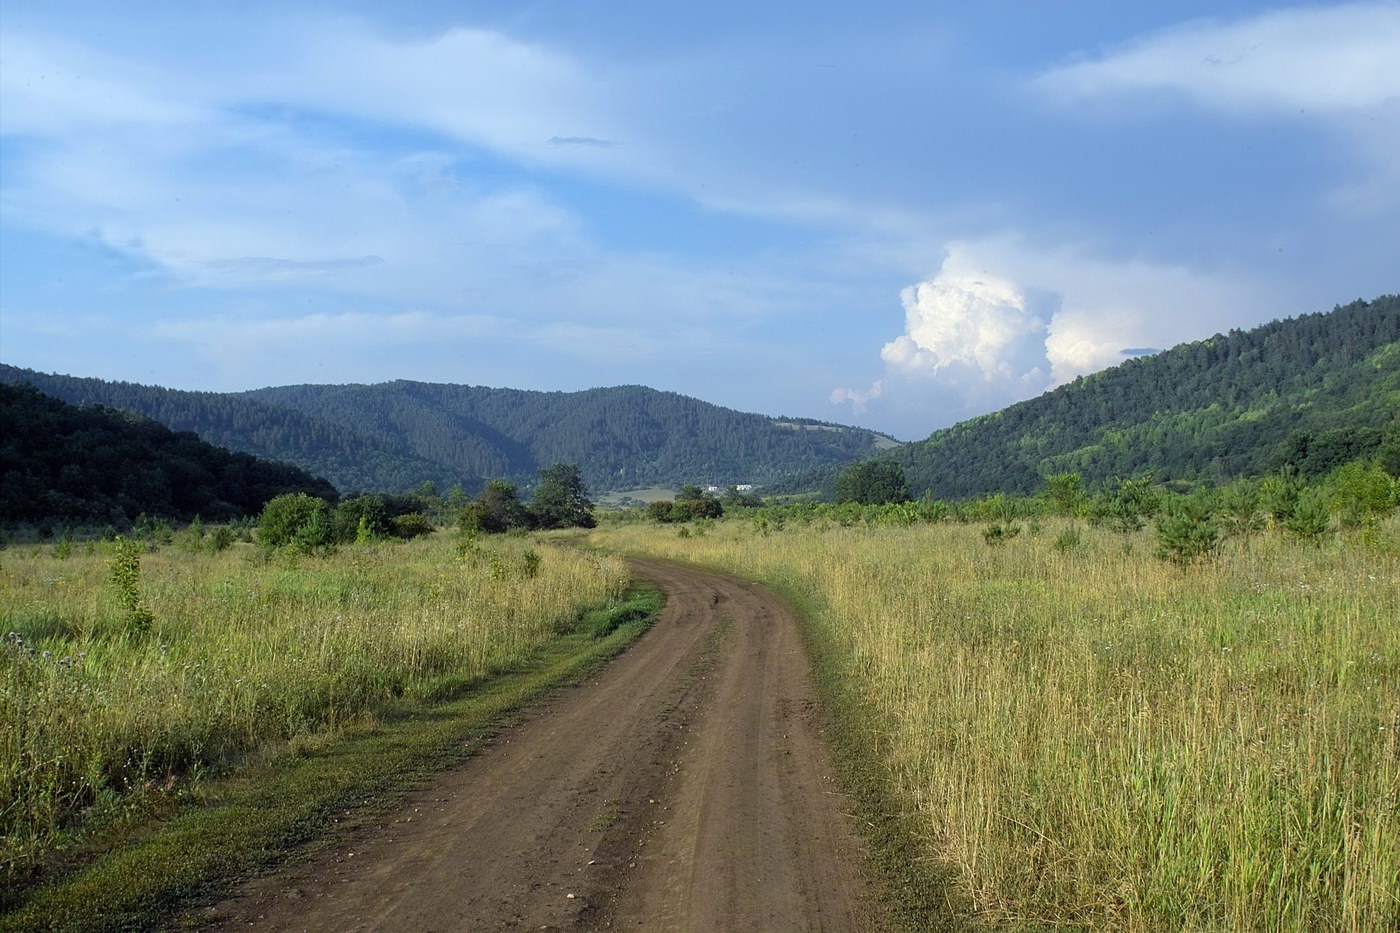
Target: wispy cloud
{"type": "Point", "coordinates": [581, 141]}
{"type": "Point", "coordinates": [1324, 58]}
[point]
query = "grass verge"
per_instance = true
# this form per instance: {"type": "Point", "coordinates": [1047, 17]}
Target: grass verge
{"type": "Point", "coordinates": [258, 818]}
{"type": "Point", "coordinates": [916, 890]}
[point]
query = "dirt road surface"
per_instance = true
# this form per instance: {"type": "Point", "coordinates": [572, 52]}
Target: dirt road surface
{"type": "Point", "coordinates": [684, 788]}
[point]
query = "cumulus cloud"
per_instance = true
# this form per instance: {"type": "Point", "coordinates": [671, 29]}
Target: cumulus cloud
{"type": "Point", "coordinates": [1326, 58]}
{"type": "Point", "coordinates": [1004, 320]}
{"type": "Point", "coordinates": [968, 318]}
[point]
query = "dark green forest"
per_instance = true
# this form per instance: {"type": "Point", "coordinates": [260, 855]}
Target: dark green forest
{"type": "Point", "coordinates": [394, 436]}
{"type": "Point", "coordinates": [1313, 392]}
{"type": "Point", "coordinates": [60, 463]}
{"type": "Point", "coordinates": [347, 459]}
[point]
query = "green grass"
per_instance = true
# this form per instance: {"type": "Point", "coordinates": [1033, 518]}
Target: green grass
{"type": "Point", "coordinates": [99, 716]}
{"type": "Point", "coordinates": [261, 814]}
{"type": "Point", "coordinates": [1091, 738]}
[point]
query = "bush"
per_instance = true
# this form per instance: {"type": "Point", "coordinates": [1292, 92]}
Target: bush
{"type": "Point", "coordinates": [1188, 532]}
{"type": "Point", "coordinates": [1068, 540]}
{"type": "Point", "coordinates": [360, 517]}
{"type": "Point", "coordinates": [125, 571]}
{"type": "Point", "coordinates": [1362, 493]}
{"type": "Point", "coordinates": [1241, 513]}
{"type": "Point", "coordinates": [999, 533]}
{"type": "Point", "coordinates": [872, 482]}
{"type": "Point", "coordinates": [1126, 506]}
{"type": "Point", "coordinates": [412, 525]}
{"type": "Point", "coordinates": [1311, 519]}
{"type": "Point", "coordinates": [296, 520]}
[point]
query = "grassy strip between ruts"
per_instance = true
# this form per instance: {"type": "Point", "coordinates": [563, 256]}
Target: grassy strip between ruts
{"type": "Point", "coordinates": [258, 817]}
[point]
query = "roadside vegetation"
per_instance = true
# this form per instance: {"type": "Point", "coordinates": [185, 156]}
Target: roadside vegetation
{"type": "Point", "coordinates": [131, 671]}
{"type": "Point", "coordinates": [1121, 708]}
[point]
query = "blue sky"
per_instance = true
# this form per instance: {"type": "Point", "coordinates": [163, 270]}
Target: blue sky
{"type": "Point", "coordinates": [891, 214]}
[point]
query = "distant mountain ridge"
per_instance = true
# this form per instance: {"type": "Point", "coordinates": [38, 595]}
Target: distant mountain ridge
{"type": "Point", "coordinates": [395, 435]}
{"type": "Point", "coordinates": [1313, 391]}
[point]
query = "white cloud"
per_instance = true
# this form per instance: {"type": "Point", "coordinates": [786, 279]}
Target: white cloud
{"type": "Point", "coordinates": [212, 175]}
{"type": "Point", "coordinates": [1329, 58]}
{"type": "Point", "coordinates": [860, 399]}
{"type": "Point", "coordinates": [1004, 320]}
{"type": "Point", "coordinates": [964, 316]}
{"type": "Point", "coordinates": [55, 87]}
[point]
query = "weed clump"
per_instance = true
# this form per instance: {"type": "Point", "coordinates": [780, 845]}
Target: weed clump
{"type": "Point", "coordinates": [124, 568]}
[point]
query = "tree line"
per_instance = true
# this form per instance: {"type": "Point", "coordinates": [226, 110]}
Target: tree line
{"type": "Point", "coordinates": [309, 524]}
{"type": "Point", "coordinates": [1190, 525]}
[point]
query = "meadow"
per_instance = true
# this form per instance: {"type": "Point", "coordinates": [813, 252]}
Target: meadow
{"type": "Point", "coordinates": [118, 691]}
{"type": "Point", "coordinates": [1087, 737]}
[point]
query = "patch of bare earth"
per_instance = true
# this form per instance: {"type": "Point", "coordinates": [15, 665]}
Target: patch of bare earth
{"type": "Point", "coordinates": [684, 788]}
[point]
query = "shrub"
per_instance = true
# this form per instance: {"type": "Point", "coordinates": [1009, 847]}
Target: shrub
{"type": "Point", "coordinates": [999, 533]}
{"type": "Point", "coordinates": [872, 482]}
{"type": "Point", "coordinates": [1188, 532]}
{"type": "Point", "coordinates": [297, 520]}
{"type": "Point", "coordinates": [124, 567]}
{"type": "Point", "coordinates": [1068, 540]}
{"type": "Point", "coordinates": [412, 525]}
{"type": "Point", "coordinates": [360, 517]}
{"type": "Point", "coordinates": [1126, 506]}
{"type": "Point", "coordinates": [1362, 493]}
{"type": "Point", "coordinates": [1311, 519]}
{"type": "Point", "coordinates": [1278, 496]}
{"type": "Point", "coordinates": [1241, 514]}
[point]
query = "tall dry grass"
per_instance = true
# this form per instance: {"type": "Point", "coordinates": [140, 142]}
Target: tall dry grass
{"type": "Point", "coordinates": [1093, 738]}
{"type": "Point", "coordinates": [242, 653]}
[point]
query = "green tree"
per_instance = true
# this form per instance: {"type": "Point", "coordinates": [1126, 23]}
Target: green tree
{"type": "Point", "coordinates": [561, 499]}
{"type": "Point", "coordinates": [1241, 512]}
{"type": "Point", "coordinates": [872, 482]}
{"type": "Point", "coordinates": [692, 502]}
{"type": "Point", "coordinates": [428, 499]}
{"type": "Point", "coordinates": [1278, 495]}
{"type": "Point", "coordinates": [295, 519]}
{"type": "Point", "coordinates": [412, 525]}
{"type": "Point", "coordinates": [457, 499]}
{"type": "Point", "coordinates": [125, 570]}
{"type": "Point", "coordinates": [1126, 505]}
{"type": "Point", "coordinates": [352, 515]}
{"type": "Point", "coordinates": [497, 509]}
{"type": "Point", "coordinates": [1362, 493]}
{"type": "Point", "coordinates": [733, 497]}
{"type": "Point", "coordinates": [1187, 530]}
{"type": "Point", "coordinates": [1311, 518]}
{"type": "Point", "coordinates": [1065, 493]}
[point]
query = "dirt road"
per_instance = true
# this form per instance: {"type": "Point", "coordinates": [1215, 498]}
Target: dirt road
{"type": "Point", "coordinates": [683, 788]}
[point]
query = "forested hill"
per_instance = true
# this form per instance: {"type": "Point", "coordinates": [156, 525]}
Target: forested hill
{"type": "Point", "coordinates": [349, 460]}
{"type": "Point", "coordinates": [62, 463]}
{"type": "Point", "coordinates": [1314, 391]}
{"type": "Point", "coordinates": [395, 435]}
{"type": "Point", "coordinates": [621, 437]}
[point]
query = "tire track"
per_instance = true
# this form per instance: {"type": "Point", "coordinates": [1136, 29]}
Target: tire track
{"type": "Point", "coordinates": [683, 788]}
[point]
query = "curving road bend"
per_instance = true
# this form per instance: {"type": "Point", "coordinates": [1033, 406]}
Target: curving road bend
{"type": "Point", "coordinates": [685, 788]}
